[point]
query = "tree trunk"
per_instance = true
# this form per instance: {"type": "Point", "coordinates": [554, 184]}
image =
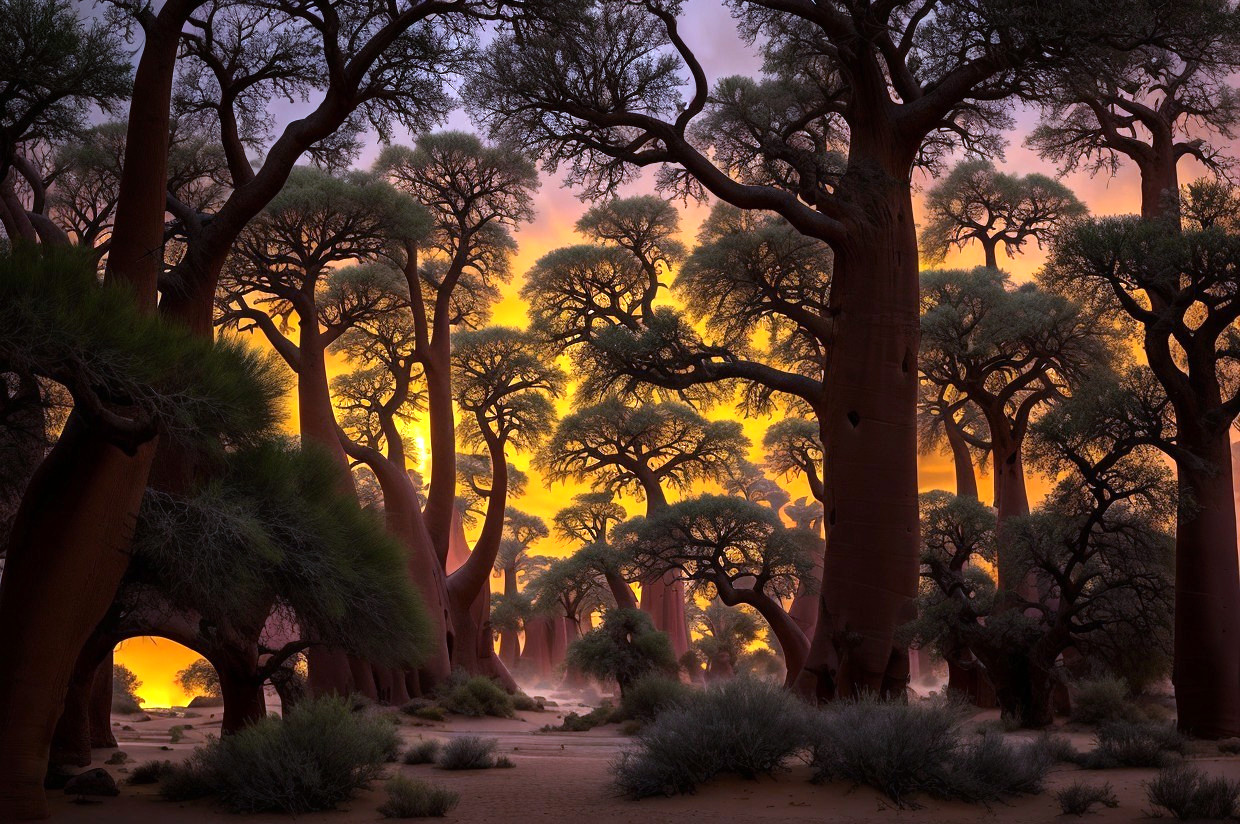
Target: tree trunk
{"type": "Point", "coordinates": [242, 690]}
{"type": "Point", "coordinates": [67, 553]}
{"type": "Point", "coordinates": [536, 652]}
{"type": "Point", "coordinates": [990, 245]}
{"type": "Point", "coordinates": [868, 429]}
{"type": "Point", "coordinates": [441, 498]}
{"type": "Point", "coordinates": [101, 736]}
{"type": "Point", "coordinates": [962, 461]}
{"type": "Point", "coordinates": [663, 598]}
{"type": "Point", "coordinates": [1160, 180]}
{"type": "Point", "coordinates": [1207, 592]}
{"type": "Point", "coordinates": [804, 608]}
{"type": "Point", "coordinates": [620, 590]}
{"type": "Point", "coordinates": [473, 648]}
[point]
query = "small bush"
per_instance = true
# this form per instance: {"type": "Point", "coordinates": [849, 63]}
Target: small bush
{"type": "Point", "coordinates": [503, 762]}
{"type": "Point", "coordinates": [575, 722]}
{"type": "Point", "coordinates": [150, 772]}
{"type": "Point", "coordinates": [524, 703]}
{"type": "Point", "coordinates": [424, 752]}
{"type": "Point", "coordinates": [902, 750]}
{"type": "Point", "coordinates": [1079, 798]}
{"type": "Point", "coordinates": [176, 734]}
{"type": "Point", "coordinates": [1229, 746]}
{"type": "Point", "coordinates": [625, 647]}
{"type": "Point", "coordinates": [651, 694]}
{"type": "Point", "coordinates": [1058, 749]}
{"type": "Point", "coordinates": [476, 697]}
{"type": "Point", "coordinates": [409, 798]}
{"type": "Point", "coordinates": [1129, 744]}
{"type": "Point", "coordinates": [317, 756]}
{"type": "Point", "coordinates": [743, 727]}
{"type": "Point", "coordinates": [469, 752]}
{"type": "Point", "coordinates": [1100, 700]}
{"type": "Point", "coordinates": [1188, 794]}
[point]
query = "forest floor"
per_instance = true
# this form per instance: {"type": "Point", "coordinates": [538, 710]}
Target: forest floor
{"type": "Point", "coordinates": [564, 777]}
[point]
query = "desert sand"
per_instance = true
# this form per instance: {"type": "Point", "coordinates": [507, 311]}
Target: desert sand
{"type": "Point", "coordinates": [563, 777]}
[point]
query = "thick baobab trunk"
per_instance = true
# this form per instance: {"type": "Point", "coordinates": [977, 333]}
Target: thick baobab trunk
{"type": "Point", "coordinates": [101, 736]}
{"type": "Point", "coordinates": [536, 653]}
{"type": "Point", "coordinates": [1024, 685]}
{"type": "Point", "coordinates": [509, 639]}
{"type": "Point", "coordinates": [962, 460]}
{"type": "Point", "coordinates": [1160, 180]}
{"type": "Point", "coordinates": [663, 599]}
{"type": "Point", "coordinates": [792, 641]}
{"type": "Point", "coordinates": [244, 702]}
{"type": "Point", "coordinates": [67, 553]}
{"type": "Point", "coordinates": [331, 670]}
{"type": "Point", "coordinates": [804, 608]}
{"type": "Point", "coordinates": [559, 641]}
{"type": "Point", "coordinates": [469, 597]}
{"type": "Point", "coordinates": [868, 428]}
{"type": "Point", "coordinates": [1207, 592]}
{"type": "Point", "coordinates": [1011, 501]}
{"type": "Point", "coordinates": [441, 498]}
{"type": "Point", "coordinates": [990, 246]}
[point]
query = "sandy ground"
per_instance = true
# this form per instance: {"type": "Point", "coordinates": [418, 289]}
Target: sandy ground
{"type": "Point", "coordinates": [563, 777]}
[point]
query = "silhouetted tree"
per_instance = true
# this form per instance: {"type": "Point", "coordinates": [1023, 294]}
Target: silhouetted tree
{"type": "Point", "coordinates": [976, 202]}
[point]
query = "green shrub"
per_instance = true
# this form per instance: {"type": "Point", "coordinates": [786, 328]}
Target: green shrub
{"type": "Point", "coordinates": [176, 734]}
{"type": "Point", "coordinates": [409, 798]}
{"type": "Point", "coordinates": [313, 759]}
{"type": "Point", "coordinates": [651, 694]}
{"type": "Point", "coordinates": [124, 687]}
{"type": "Point", "coordinates": [903, 750]}
{"type": "Point", "coordinates": [1132, 744]}
{"type": "Point", "coordinates": [743, 727]}
{"type": "Point", "coordinates": [1058, 748]}
{"type": "Point", "coordinates": [625, 647]}
{"type": "Point", "coordinates": [476, 697]}
{"type": "Point", "coordinates": [424, 752]}
{"type": "Point", "coordinates": [1078, 798]}
{"type": "Point", "coordinates": [150, 772]}
{"type": "Point", "coordinates": [1100, 700]}
{"type": "Point", "coordinates": [1189, 794]}
{"type": "Point", "coordinates": [503, 762]}
{"type": "Point", "coordinates": [575, 722]}
{"type": "Point", "coordinates": [469, 752]}
{"type": "Point", "coordinates": [522, 702]}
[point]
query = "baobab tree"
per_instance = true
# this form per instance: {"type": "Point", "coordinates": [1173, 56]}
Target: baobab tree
{"type": "Point", "coordinates": [946, 418]}
{"type": "Point", "coordinates": [1009, 351]}
{"type": "Point", "coordinates": [1176, 293]}
{"type": "Point", "coordinates": [730, 548]}
{"type": "Point", "coordinates": [588, 521]}
{"type": "Point", "coordinates": [747, 480]}
{"type": "Point", "coordinates": [724, 635]}
{"type": "Point", "coordinates": [477, 194]}
{"type": "Point", "coordinates": [521, 530]}
{"type": "Point", "coordinates": [1099, 541]}
{"type": "Point", "coordinates": [640, 450]}
{"type": "Point", "coordinates": [976, 203]}
{"type": "Point", "coordinates": [867, 93]}
{"type": "Point", "coordinates": [503, 381]}
{"type": "Point", "coordinates": [1153, 105]}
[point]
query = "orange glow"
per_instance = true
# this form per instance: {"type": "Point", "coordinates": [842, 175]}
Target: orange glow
{"type": "Point", "coordinates": [156, 662]}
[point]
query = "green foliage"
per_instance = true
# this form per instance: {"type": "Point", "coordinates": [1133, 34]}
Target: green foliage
{"type": "Point", "coordinates": [58, 323]}
{"type": "Point", "coordinates": [652, 694]}
{"type": "Point", "coordinates": [576, 722]}
{"type": "Point", "coordinates": [903, 750]}
{"type": "Point", "coordinates": [274, 525]}
{"type": "Point", "coordinates": [200, 678]}
{"type": "Point", "coordinates": [504, 379]}
{"type": "Point", "coordinates": [1079, 798]}
{"type": "Point", "coordinates": [742, 727]}
{"type": "Point", "coordinates": [410, 798]}
{"type": "Point", "coordinates": [1134, 744]}
{"type": "Point", "coordinates": [475, 696]}
{"type": "Point", "coordinates": [1099, 700]}
{"type": "Point", "coordinates": [468, 752]}
{"type": "Point", "coordinates": [625, 647]}
{"type": "Point", "coordinates": [56, 69]}
{"type": "Point", "coordinates": [319, 755]}
{"type": "Point", "coordinates": [124, 688]}
{"type": "Point", "coordinates": [150, 772]}
{"type": "Point", "coordinates": [1191, 795]}
{"type": "Point", "coordinates": [424, 752]}
{"type": "Point", "coordinates": [524, 703]}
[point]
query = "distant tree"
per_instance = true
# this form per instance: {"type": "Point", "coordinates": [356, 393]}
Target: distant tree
{"type": "Point", "coordinates": [793, 448]}
{"type": "Point", "coordinates": [977, 203]}
{"type": "Point", "coordinates": [625, 647]}
{"type": "Point", "coordinates": [1176, 293]}
{"type": "Point", "coordinates": [1153, 105]}
{"type": "Point", "coordinates": [200, 678]}
{"type": "Point", "coordinates": [504, 382]}
{"type": "Point", "coordinates": [730, 548]}
{"type": "Point", "coordinates": [1008, 351]}
{"type": "Point", "coordinates": [55, 69]}
{"type": "Point", "coordinates": [1100, 542]}
{"type": "Point", "coordinates": [805, 514]}
{"type": "Point", "coordinates": [572, 588]}
{"type": "Point", "coordinates": [125, 690]}
{"type": "Point", "coordinates": [724, 635]}
{"type": "Point", "coordinates": [588, 518]}
{"type": "Point", "coordinates": [477, 194]}
{"type": "Point", "coordinates": [746, 479]}
{"type": "Point", "coordinates": [946, 418]}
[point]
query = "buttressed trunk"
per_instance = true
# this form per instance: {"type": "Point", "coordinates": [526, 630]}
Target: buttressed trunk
{"type": "Point", "coordinates": [67, 553]}
{"type": "Point", "coordinates": [473, 648]}
{"type": "Point", "coordinates": [869, 433]}
{"type": "Point", "coordinates": [331, 670]}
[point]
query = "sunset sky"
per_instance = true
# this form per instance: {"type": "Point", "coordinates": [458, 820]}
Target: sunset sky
{"type": "Point", "coordinates": [711, 32]}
